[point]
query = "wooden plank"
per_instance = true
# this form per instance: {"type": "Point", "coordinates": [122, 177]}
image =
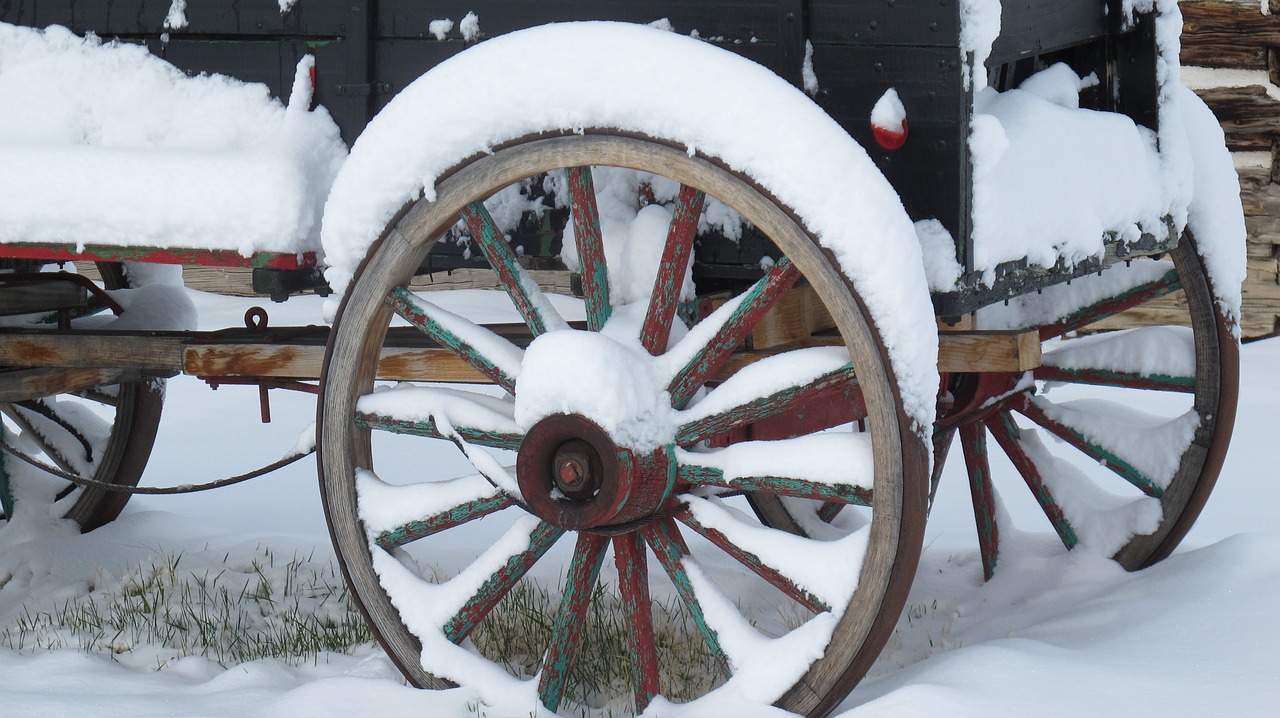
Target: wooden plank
{"type": "Point", "coordinates": [25, 384]}
{"type": "Point", "coordinates": [1228, 33]}
{"type": "Point", "coordinates": [40, 296]}
{"type": "Point", "coordinates": [988, 351]}
{"type": "Point", "coordinates": [798, 315]}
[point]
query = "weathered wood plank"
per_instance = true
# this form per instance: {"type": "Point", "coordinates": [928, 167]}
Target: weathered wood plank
{"type": "Point", "coordinates": [988, 351]}
{"type": "Point", "coordinates": [1226, 33]}
{"type": "Point", "coordinates": [25, 384]}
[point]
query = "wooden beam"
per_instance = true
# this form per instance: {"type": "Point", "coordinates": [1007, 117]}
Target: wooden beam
{"type": "Point", "coordinates": [23, 384]}
{"type": "Point", "coordinates": [976, 351]}
{"type": "Point", "coordinates": [40, 296]}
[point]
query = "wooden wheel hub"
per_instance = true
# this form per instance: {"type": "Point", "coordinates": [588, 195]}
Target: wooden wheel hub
{"type": "Point", "coordinates": [573, 475]}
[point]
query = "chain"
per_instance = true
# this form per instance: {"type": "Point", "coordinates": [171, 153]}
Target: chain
{"type": "Point", "coordinates": [156, 490]}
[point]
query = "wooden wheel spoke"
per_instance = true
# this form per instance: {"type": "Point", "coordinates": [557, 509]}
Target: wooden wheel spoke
{"type": "Point", "coordinates": [838, 386]}
{"type": "Point", "coordinates": [454, 517]}
{"type": "Point", "coordinates": [99, 396]}
{"type": "Point", "coordinates": [732, 323]}
{"type": "Point", "coordinates": [1007, 434]}
{"type": "Point", "coordinates": [755, 564]}
{"type": "Point", "coordinates": [49, 411]}
{"type": "Point", "coordinates": [486, 351]}
{"type": "Point", "coordinates": [590, 243]}
{"type": "Point", "coordinates": [48, 446]}
{"type": "Point", "coordinates": [501, 582]}
{"type": "Point", "coordinates": [633, 584]}
{"type": "Point", "coordinates": [780, 485]}
{"type": "Point", "coordinates": [1126, 380]}
{"type": "Point", "coordinates": [571, 616]}
{"type": "Point", "coordinates": [428, 429]}
{"type": "Point", "coordinates": [675, 259]}
{"type": "Point", "coordinates": [1098, 311]}
{"type": "Point", "coordinates": [1074, 437]}
{"type": "Point", "coordinates": [532, 304]}
{"type": "Point", "coordinates": [941, 447]}
{"type": "Point", "coordinates": [664, 539]}
{"type": "Point", "coordinates": [973, 441]}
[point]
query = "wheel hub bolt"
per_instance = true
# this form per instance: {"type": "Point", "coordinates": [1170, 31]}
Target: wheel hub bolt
{"type": "Point", "coordinates": [573, 470]}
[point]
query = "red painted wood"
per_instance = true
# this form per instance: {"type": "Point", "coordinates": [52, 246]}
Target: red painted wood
{"type": "Point", "coordinates": [454, 517]}
{"type": "Point", "coordinates": [1186, 385]}
{"type": "Point", "coordinates": [501, 582]}
{"type": "Point", "coordinates": [154, 255]}
{"type": "Point", "coordinates": [671, 269]}
{"type": "Point", "coordinates": [761, 297]}
{"type": "Point", "coordinates": [973, 441]}
{"type": "Point", "coordinates": [1142, 294]}
{"type": "Point", "coordinates": [830, 400]}
{"type": "Point", "coordinates": [755, 564]}
{"type": "Point", "coordinates": [668, 545]}
{"type": "Point", "coordinates": [412, 310]}
{"type": "Point", "coordinates": [566, 631]}
{"type": "Point", "coordinates": [941, 447]}
{"type": "Point", "coordinates": [586, 230]}
{"type": "Point", "coordinates": [1119, 466]}
{"type": "Point", "coordinates": [633, 584]}
{"type": "Point", "coordinates": [1007, 434]}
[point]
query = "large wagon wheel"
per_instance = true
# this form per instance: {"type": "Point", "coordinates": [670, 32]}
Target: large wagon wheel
{"type": "Point", "coordinates": [607, 423]}
{"type": "Point", "coordinates": [1129, 484]}
{"type": "Point", "coordinates": [104, 433]}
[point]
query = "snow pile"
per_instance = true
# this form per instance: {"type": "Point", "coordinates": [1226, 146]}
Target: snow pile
{"type": "Point", "coordinates": [640, 82]}
{"type": "Point", "coordinates": [107, 144]}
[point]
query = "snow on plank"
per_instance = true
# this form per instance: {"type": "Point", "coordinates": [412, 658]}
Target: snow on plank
{"type": "Point", "coordinates": [835, 466]}
{"type": "Point", "coordinates": [395, 515]}
{"type": "Point", "coordinates": [1161, 358]}
{"type": "Point", "coordinates": [771, 386]}
{"type": "Point", "coordinates": [418, 411]}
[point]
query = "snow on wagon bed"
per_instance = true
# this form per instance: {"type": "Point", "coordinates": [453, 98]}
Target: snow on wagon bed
{"type": "Point", "coordinates": [104, 143]}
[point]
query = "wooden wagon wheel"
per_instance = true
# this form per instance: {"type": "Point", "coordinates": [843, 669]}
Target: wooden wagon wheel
{"type": "Point", "coordinates": [105, 433]}
{"type": "Point", "coordinates": [630, 476]}
{"type": "Point", "coordinates": [1127, 483]}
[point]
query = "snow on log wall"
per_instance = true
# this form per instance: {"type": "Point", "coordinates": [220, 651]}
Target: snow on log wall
{"type": "Point", "coordinates": [1240, 40]}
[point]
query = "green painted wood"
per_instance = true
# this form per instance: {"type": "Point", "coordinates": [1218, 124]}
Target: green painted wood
{"type": "Point", "coordinates": [632, 563]}
{"type": "Point", "coordinates": [781, 402]}
{"type": "Point", "coordinates": [1008, 435]}
{"type": "Point", "coordinates": [1107, 458]}
{"type": "Point", "coordinates": [753, 562]}
{"type": "Point", "coordinates": [759, 299]}
{"type": "Point", "coordinates": [418, 313]}
{"type": "Point", "coordinates": [456, 516]}
{"type": "Point", "coordinates": [571, 616]}
{"type": "Point", "coordinates": [1122, 379]}
{"type": "Point", "coordinates": [941, 447]}
{"type": "Point", "coordinates": [656, 329]}
{"type": "Point", "coordinates": [428, 429]}
{"type": "Point", "coordinates": [590, 243]}
{"type": "Point", "coordinates": [501, 582]}
{"type": "Point", "coordinates": [6, 489]}
{"type": "Point", "coordinates": [973, 442]}
{"type": "Point", "coordinates": [666, 543]}
{"type": "Point", "coordinates": [518, 285]}
{"type": "Point", "coordinates": [783, 486]}
{"type": "Point", "coordinates": [1111, 306]}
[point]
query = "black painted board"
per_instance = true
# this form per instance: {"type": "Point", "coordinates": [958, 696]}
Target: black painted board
{"type": "Point", "coordinates": [1036, 27]}
{"type": "Point", "coordinates": [934, 23]}
{"type": "Point", "coordinates": [733, 20]}
{"type": "Point", "coordinates": [205, 17]}
{"type": "Point", "coordinates": [930, 172]}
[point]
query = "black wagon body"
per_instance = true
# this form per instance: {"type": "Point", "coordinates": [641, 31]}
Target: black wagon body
{"type": "Point", "coordinates": [368, 50]}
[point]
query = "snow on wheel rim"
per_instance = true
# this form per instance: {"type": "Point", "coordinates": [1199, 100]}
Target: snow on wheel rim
{"type": "Point", "coordinates": [648, 81]}
{"type": "Point", "coordinates": [377, 522]}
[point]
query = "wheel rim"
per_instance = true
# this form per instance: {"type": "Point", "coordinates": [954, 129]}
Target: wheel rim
{"type": "Point", "coordinates": [1127, 484]}
{"type": "Point", "coordinates": [652, 531]}
{"type": "Point", "coordinates": [105, 434]}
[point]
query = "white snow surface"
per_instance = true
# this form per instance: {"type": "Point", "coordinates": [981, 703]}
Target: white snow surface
{"type": "Point", "coordinates": [1196, 632]}
{"type": "Point", "coordinates": [104, 143]}
{"type": "Point", "coordinates": [639, 81]}
{"type": "Point", "coordinates": [888, 112]}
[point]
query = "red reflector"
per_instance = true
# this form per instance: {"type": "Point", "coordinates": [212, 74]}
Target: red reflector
{"type": "Point", "coordinates": [890, 139]}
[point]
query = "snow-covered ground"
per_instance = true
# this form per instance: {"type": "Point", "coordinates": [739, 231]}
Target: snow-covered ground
{"type": "Point", "coordinates": [1052, 634]}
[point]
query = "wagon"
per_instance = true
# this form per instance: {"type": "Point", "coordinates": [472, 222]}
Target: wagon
{"type": "Point", "coordinates": [760, 264]}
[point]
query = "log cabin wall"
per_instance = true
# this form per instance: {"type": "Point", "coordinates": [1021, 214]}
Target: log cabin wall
{"type": "Point", "coordinates": [1240, 40]}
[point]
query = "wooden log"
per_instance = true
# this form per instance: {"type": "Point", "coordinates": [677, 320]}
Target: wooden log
{"type": "Point", "coordinates": [40, 296]}
{"type": "Point", "coordinates": [998, 351]}
{"type": "Point", "coordinates": [1228, 33]}
{"type": "Point", "coordinates": [1250, 117]}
